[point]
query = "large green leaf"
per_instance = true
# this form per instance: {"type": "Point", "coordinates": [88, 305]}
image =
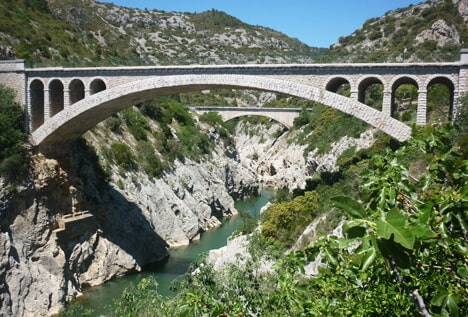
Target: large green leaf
{"type": "Point", "coordinates": [394, 224]}
{"type": "Point", "coordinates": [368, 258]}
{"type": "Point", "coordinates": [352, 208]}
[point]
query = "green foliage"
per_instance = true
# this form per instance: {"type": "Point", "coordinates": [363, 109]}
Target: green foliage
{"type": "Point", "coordinates": [327, 125]}
{"type": "Point", "coordinates": [114, 124]}
{"type": "Point", "coordinates": [13, 156]}
{"type": "Point", "coordinates": [460, 131]}
{"type": "Point", "coordinates": [76, 309]}
{"type": "Point", "coordinates": [136, 123]}
{"type": "Point", "coordinates": [285, 221]}
{"type": "Point", "coordinates": [148, 160]}
{"type": "Point", "coordinates": [438, 104]}
{"type": "Point", "coordinates": [303, 118]}
{"type": "Point", "coordinates": [214, 20]}
{"type": "Point", "coordinates": [212, 118]}
{"type": "Point", "coordinates": [122, 155]}
{"type": "Point", "coordinates": [414, 228]}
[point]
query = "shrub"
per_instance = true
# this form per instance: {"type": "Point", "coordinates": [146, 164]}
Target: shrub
{"type": "Point", "coordinates": [150, 163]}
{"type": "Point", "coordinates": [302, 119]}
{"type": "Point", "coordinates": [283, 222]}
{"type": "Point", "coordinates": [13, 156]}
{"type": "Point", "coordinates": [212, 118]}
{"type": "Point", "coordinates": [137, 123]}
{"type": "Point", "coordinates": [122, 155]}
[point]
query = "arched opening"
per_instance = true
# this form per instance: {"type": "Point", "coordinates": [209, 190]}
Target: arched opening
{"type": "Point", "coordinates": [96, 86]}
{"type": "Point", "coordinates": [370, 92]}
{"type": "Point", "coordinates": [405, 100]}
{"type": "Point", "coordinates": [77, 91]}
{"type": "Point", "coordinates": [55, 97]}
{"type": "Point", "coordinates": [339, 85]}
{"type": "Point", "coordinates": [440, 99]}
{"type": "Point", "coordinates": [37, 104]}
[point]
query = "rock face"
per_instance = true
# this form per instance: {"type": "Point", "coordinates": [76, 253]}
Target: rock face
{"type": "Point", "coordinates": [281, 164]}
{"type": "Point", "coordinates": [39, 269]}
{"type": "Point", "coordinates": [462, 6]}
{"type": "Point", "coordinates": [43, 262]}
{"type": "Point", "coordinates": [441, 31]}
{"type": "Point", "coordinates": [191, 199]}
{"type": "Point", "coordinates": [51, 248]}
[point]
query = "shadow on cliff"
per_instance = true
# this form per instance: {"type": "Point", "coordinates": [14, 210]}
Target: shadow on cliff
{"type": "Point", "coordinates": [118, 220]}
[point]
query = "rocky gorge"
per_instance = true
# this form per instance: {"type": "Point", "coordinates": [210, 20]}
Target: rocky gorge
{"type": "Point", "coordinates": [133, 218]}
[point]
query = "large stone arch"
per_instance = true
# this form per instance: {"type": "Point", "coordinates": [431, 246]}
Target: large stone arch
{"type": "Point", "coordinates": [72, 122]}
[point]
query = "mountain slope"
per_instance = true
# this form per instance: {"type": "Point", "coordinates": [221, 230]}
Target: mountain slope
{"type": "Point", "coordinates": [89, 32]}
{"type": "Point", "coordinates": [431, 31]}
{"type": "Point", "coordinates": [86, 32]}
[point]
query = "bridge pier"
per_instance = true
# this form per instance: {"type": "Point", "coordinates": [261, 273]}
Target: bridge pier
{"type": "Point", "coordinates": [387, 103]}
{"type": "Point", "coordinates": [66, 98]}
{"type": "Point", "coordinates": [421, 115]}
{"type": "Point", "coordinates": [46, 104]}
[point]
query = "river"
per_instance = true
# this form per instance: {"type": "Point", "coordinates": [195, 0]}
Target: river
{"type": "Point", "coordinates": [97, 298]}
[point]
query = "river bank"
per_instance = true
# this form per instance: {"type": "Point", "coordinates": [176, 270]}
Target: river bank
{"type": "Point", "coordinates": [97, 298]}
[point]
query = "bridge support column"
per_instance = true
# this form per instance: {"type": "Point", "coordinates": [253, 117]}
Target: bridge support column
{"type": "Point", "coordinates": [87, 92]}
{"type": "Point", "coordinates": [66, 98]}
{"type": "Point", "coordinates": [46, 104]}
{"type": "Point", "coordinates": [421, 116]}
{"type": "Point", "coordinates": [354, 94]}
{"type": "Point", "coordinates": [387, 103]}
{"type": "Point", "coordinates": [29, 112]}
{"type": "Point", "coordinates": [455, 105]}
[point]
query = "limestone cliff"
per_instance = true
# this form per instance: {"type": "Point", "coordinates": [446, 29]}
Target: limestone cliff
{"type": "Point", "coordinates": [67, 226]}
{"type": "Point", "coordinates": [281, 163]}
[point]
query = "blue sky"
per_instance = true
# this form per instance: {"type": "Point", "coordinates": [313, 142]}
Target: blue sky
{"type": "Point", "coordinates": [314, 22]}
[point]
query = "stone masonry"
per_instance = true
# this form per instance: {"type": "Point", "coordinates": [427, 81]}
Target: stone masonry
{"type": "Point", "coordinates": [62, 103]}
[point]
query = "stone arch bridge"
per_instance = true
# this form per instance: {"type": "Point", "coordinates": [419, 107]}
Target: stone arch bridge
{"type": "Point", "coordinates": [285, 116]}
{"type": "Point", "coordinates": [63, 103]}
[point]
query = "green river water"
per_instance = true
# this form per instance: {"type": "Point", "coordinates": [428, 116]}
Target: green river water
{"type": "Point", "coordinates": [97, 298]}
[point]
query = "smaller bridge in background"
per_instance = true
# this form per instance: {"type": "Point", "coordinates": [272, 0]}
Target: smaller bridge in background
{"type": "Point", "coordinates": [285, 116]}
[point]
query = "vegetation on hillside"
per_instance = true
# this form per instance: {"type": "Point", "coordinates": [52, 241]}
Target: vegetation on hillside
{"type": "Point", "coordinates": [13, 155]}
{"type": "Point", "coordinates": [34, 34]}
{"type": "Point", "coordinates": [393, 37]}
{"type": "Point", "coordinates": [90, 33]}
{"type": "Point", "coordinates": [152, 135]}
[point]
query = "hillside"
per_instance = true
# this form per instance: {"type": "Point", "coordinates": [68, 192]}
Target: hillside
{"type": "Point", "coordinates": [431, 31]}
{"type": "Point", "coordinates": [89, 32]}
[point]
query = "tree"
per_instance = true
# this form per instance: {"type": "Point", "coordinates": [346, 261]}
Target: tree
{"type": "Point", "coordinates": [13, 156]}
{"type": "Point", "coordinates": [410, 231]}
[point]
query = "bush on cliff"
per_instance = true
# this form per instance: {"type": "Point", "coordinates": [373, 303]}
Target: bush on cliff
{"type": "Point", "coordinates": [13, 156]}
